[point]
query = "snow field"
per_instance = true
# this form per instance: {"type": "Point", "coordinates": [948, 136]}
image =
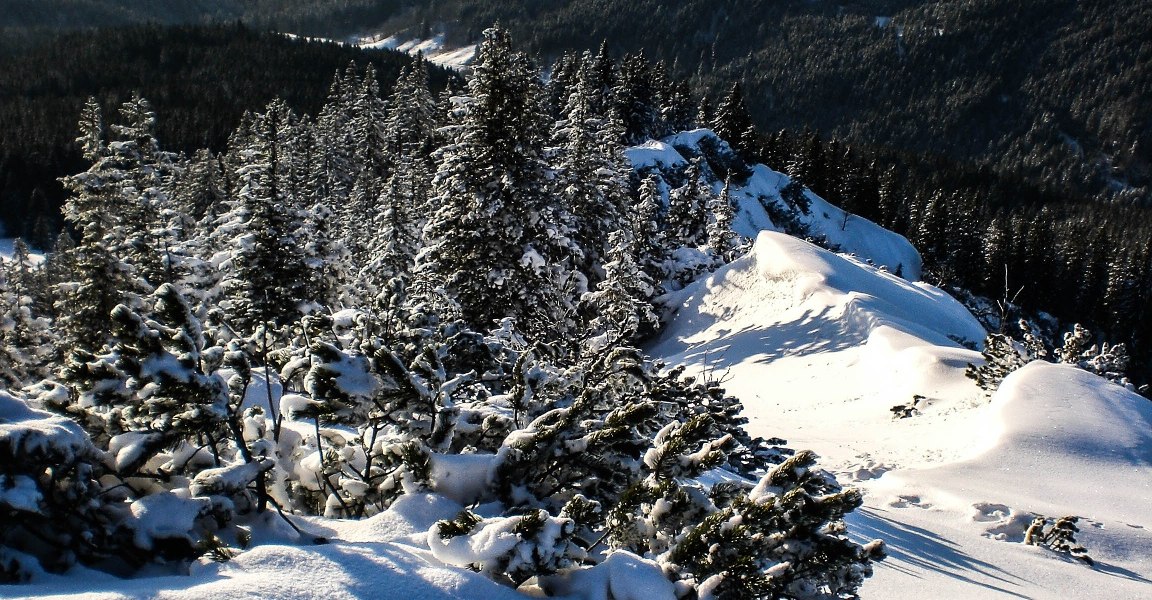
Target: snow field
{"type": "Point", "coordinates": [820, 346]}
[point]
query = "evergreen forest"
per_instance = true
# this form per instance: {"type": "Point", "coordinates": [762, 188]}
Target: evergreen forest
{"type": "Point", "coordinates": [447, 291]}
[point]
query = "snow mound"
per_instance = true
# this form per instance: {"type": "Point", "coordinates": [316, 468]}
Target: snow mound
{"type": "Point", "coordinates": [1059, 424]}
{"type": "Point", "coordinates": [1066, 442]}
{"type": "Point", "coordinates": [27, 435]}
{"type": "Point", "coordinates": [819, 347]}
{"type": "Point", "coordinates": [761, 192]}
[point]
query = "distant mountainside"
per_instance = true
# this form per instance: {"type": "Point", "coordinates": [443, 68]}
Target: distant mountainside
{"type": "Point", "coordinates": [1053, 91]}
{"type": "Point", "coordinates": [312, 17]}
{"type": "Point", "coordinates": [200, 78]}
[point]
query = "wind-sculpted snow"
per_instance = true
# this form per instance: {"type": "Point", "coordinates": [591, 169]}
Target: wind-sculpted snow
{"type": "Point", "coordinates": [820, 347]}
{"type": "Point", "coordinates": [1069, 441]}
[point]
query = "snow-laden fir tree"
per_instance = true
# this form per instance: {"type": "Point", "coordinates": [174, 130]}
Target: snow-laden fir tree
{"type": "Point", "coordinates": [648, 236]}
{"type": "Point", "coordinates": [395, 239]}
{"type": "Point", "coordinates": [63, 517]}
{"type": "Point", "coordinates": [143, 236]}
{"type": "Point", "coordinates": [26, 341]}
{"type": "Point", "coordinates": [497, 243]}
{"type": "Point", "coordinates": [265, 273]}
{"type": "Point", "coordinates": [721, 238]}
{"type": "Point", "coordinates": [562, 81]}
{"type": "Point", "coordinates": [687, 209]}
{"type": "Point", "coordinates": [335, 167]}
{"type": "Point", "coordinates": [413, 115]}
{"type": "Point", "coordinates": [115, 205]}
{"type": "Point", "coordinates": [591, 172]}
{"type": "Point", "coordinates": [637, 99]}
{"type": "Point", "coordinates": [621, 305]}
{"type": "Point", "coordinates": [732, 121]}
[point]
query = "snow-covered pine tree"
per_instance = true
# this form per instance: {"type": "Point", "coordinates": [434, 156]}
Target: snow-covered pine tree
{"type": "Point", "coordinates": [649, 242]}
{"type": "Point", "coordinates": [786, 538]}
{"type": "Point", "coordinates": [150, 390]}
{"type": "Point", "coordinates": [621, 306]}
{"type": "Point", "coordinates": [589, 436]}
{"type": "Point", "coordinates": [721, 238]}
{"type": "Point", "coordinates": [100, 200]}
{"type": "Point", "coordinates": [678, 108]}
{"type": "Point", "coordinates": [58, 515]}
{"type": "Point", "coordinates": [370, 162]}
{"type": "Point", "coordinates": [143, 238]}
{"type": "Point", "coordinates": [336, 139]}
{"type": "Point", "coordinates": [562, 81]}
{"type": "Point", "coordinates": [591, 173]}
{"type": "Point", "coordinates": [497, 243]}
{"type": "Point", "coordinates": [687, 209]}
{"type": "Point", "coordinates": [732, 121]}
{"type": "Point", "coordinates": [391, 231]}
{"type": "Point", "coordinates": [200, 189]}
{"type": "Point", "coordinates": [637, 99]}
{"type": "Point", "coordinates": [26, 340]}
{"type": "Point", "coordinates": [266, 274]}
{"type": "Point", "coordinates": [413, 115]}
{"type": "Point", "coordinates": [327, 281]}
{"type": "Point", "coordinates": [1001, 357]}
{"type": "Point", "coordinates": [396, 236]}
{"type": "Point", "coordinates": [602, 81]}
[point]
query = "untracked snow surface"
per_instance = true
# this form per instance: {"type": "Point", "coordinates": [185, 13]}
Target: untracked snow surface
{"type": "Point", "coordinates": [820, 346]}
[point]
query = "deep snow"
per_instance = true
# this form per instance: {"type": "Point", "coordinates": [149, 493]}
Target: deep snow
{"type": "Point", "coordinates": [819, 347]}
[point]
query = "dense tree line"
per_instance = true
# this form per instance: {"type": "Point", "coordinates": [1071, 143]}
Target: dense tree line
{"type": "Point", "coordinates": [1080, 262]}
{"type": "Point", "coordinates": [202, 79]}
{"type": "Point", "coordinates": [1049, 91]}
{"type": "Point", "coordinates": [454, 280]}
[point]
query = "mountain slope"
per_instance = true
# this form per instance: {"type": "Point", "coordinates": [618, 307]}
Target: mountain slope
{"type": "Point", "coordinates": [819, 347]}
{"type": "Point", "coordinates": [760, 196]}
{"type": "Point", "coordinates": [1045, 90]}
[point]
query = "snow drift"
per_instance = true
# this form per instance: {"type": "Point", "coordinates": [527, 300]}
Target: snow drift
{"type": "Point", "coordinates": [820, 346]}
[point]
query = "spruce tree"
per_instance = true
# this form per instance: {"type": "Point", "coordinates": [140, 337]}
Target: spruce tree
{"type": "Point", "coordinates": [637, 99]}
{"type": "Point", "coordinates": [622, 303]}
{"type": "Point", "coordinates": [649, 244]}
{"type": "Point", "coordinates": [731, 121]}
{"type": "Point", "coordinates": [497, 243]}
{"type": "Point", "coordinates": [721, 238]}
{"type": "Point", "coordinates": [266, 275]}
{"type": "Point", "coordinates": [98, 279]}
{"type": "Point", "coordinates": [590, 173]}
{"type": "Point", "coordinates": [25, 338]}
{"type": "Point", "coordinates": [687, 209]}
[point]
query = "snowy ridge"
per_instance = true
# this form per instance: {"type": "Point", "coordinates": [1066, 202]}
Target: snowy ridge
{"type": "Point", "coordinates": [433, 49]}
{"type": "Point", "coordinates": [850, 233]}
{"type": "Point", "coordinates": [820, 346]}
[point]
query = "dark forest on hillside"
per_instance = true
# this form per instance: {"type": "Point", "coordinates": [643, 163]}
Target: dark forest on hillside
{"type": "Point", "coordinates": [202, 80]}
